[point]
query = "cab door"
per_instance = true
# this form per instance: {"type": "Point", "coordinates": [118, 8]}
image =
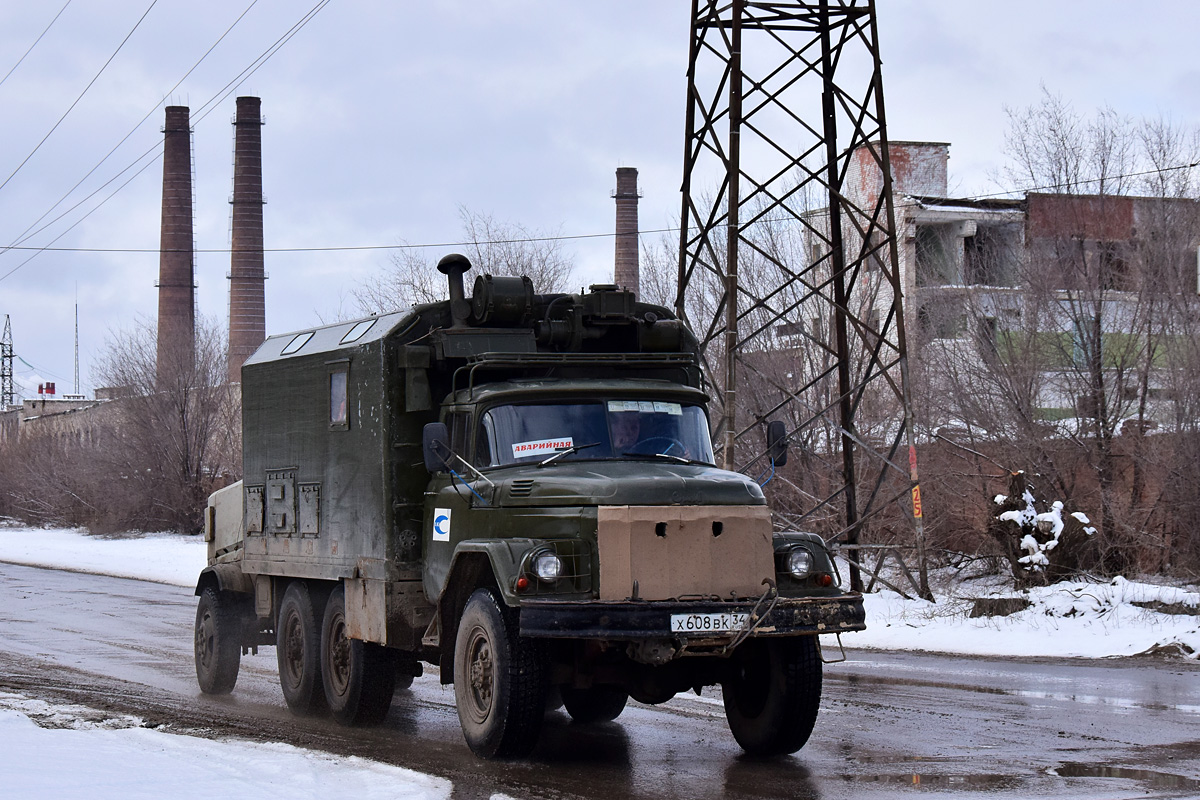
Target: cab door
{"type": "Point", "coordinates": [450, 506]}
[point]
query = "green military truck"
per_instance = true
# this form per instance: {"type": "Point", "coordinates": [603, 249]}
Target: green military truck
{"type": "Point", "coordinates": [519, 490]}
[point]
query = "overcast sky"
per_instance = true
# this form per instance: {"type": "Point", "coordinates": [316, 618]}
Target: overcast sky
{"type": "Point", "coordinates": [383, 118]}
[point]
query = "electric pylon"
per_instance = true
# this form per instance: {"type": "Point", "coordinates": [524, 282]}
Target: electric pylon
{"type": "Point", "coordinates": [6, 366]}
{"type": "Point", "coordinates": [788, 267]}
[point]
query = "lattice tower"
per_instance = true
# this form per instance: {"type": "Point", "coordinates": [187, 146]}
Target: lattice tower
{"type": "Point", "coordinates": [7, 394]}
{"type": "Point", "coordinates": [788, 272]}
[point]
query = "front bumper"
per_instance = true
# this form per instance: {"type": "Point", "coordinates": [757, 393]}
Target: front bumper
{"type": "Point", "coordinates": [634, 620]}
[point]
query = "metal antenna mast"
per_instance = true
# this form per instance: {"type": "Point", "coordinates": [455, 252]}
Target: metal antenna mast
{"type": "Point", "coordinates": [788, 262]}
{"type": "Point", "coordinates": [77, 339]}
{"type": "Point", "coordinates": [6, 366]}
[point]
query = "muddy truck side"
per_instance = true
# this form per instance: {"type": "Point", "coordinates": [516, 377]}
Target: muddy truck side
{"type": "Point", "coordinates": [519, 491]}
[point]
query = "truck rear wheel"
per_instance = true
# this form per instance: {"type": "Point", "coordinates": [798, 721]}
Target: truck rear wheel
{"type": "Point", "coordinates": [298, 648]}
{"type": "Point", "coordinates": [772, 697]}
{"type": "Point", "coordinates": [499, 680]}
{"type": "Point", "coordinates": [218, 641]}
{"type": "Point", "coordinates": [597, 704]}
{"type": "Point", "coordinates": [359, 677]}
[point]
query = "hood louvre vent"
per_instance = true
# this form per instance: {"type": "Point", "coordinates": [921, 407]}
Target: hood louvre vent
{"type": "Point", "coordinates": [522, 487]}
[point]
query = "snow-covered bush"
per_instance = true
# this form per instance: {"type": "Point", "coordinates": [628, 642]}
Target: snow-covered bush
{"type": "Point", "coordinates": [1042, 547]}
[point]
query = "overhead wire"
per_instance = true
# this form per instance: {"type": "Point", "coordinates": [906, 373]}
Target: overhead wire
{"type": "Point", "coordinates": [1087, 181]}
{"type": "Point", "coordinates": [70, 108]}
{"type": "Point", "coordinates": [210, 105]}
{"type": "Point", "coordinates": [35, 43]}
{"type": "Point", "coordinates": [535, 239]}
{"type": "Point", "coordinates": [26, 234]}
{"type": "Point", "coordinates": [238, 80]}
{"type": "Point", "coordinates": [255, 65]}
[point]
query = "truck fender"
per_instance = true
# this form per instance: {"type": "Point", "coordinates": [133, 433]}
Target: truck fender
{"type": "Point", "coordinates": [477, 563]}
{"type": "Point", "coordinates": [226, 577]}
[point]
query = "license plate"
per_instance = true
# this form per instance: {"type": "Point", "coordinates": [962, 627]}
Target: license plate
{"type": "Point", "coordinates": [708, 623]}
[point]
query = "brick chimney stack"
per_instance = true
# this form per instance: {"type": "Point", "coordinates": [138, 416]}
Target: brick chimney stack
{"type": "Point", "coordinates": [625, 273]}
{"type": "Point", "coordinates": [247, 304]}
{"type": "Point", "coordinates": [176, 265]}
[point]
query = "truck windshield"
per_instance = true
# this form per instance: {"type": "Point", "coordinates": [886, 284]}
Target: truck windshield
{"type": "Point", "coordinates": [517, 434]}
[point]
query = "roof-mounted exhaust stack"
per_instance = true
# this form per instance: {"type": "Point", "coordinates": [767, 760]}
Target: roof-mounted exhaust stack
{"type": "Point", "coordinates": [453, 266]}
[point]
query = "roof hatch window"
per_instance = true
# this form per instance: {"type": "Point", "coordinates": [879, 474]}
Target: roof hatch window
{"type": "Point", "coordinates": [298, 341]}
{"type": "Point", "coordinates": [356, 333]}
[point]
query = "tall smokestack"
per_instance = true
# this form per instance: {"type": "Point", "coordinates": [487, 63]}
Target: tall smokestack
{"type": "Point", "coordinates": [247, 305]}
{"type": "Point", "coordinates": [625, 273]}
{"type": "Point", "coordinates": [176, 269]}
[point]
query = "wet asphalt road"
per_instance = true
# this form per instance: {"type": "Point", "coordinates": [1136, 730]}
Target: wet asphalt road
{"type": "Point", "coordinates": [891, 725]}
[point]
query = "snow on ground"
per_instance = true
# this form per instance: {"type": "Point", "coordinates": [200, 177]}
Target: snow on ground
{"type": "Point", "coordinates": [109, 758]}
{"type": "Point", "coordinates": [1077, 619]}
{"type": "Point", "coordinates": [118, 758]}
{"type": "Point", "coordinates": [1087, 620]}
{"type": "Point", "coordinates": [162, 558]}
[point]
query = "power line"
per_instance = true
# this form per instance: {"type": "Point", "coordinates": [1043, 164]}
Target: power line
{"type": "Point", "coordinates": [81, 219]}
{"type": "Point", "coordinates": [533, 239]}
{"type": "Point", "coordinates": [26, 235]}
{"type": "Point", "coordinates": [211, 104]}
{"type": "Point", "coordinates": [263, 58]}
{"type": "Point", "coordinates": [95, 78]}
{"type": "Point", "coordinates": [427, 245]}
{"type": "Point", "coordinates": [1087, 181]}
{"type": "Point", "coordinates": [35, 42]}
{"type": "Point", "coordinates": [340, 248]}
{"type": "Point", "coordinates": [39, 370]}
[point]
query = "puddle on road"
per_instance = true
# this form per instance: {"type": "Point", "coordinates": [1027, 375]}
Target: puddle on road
{"type": "Point", "coordinates": [1147, 779]}
{"type": "Point", "coordinates": [919, 781]}
{"type": "Point", "coordinates": [903, 759]}
{"type": "Point", "coordinates": [1121, 703]}
{"type": "Point", "coordinates": [1152, 779]}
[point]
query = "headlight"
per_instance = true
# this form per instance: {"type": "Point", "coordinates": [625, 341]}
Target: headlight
{"type": "Point", "coordinates": [799, 562]}
{"type": "Point", "coordinates": [547, 567]}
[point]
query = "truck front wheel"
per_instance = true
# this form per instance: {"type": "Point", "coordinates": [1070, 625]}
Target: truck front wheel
{"type": "Point", "coordinates": [359, 677]}
{"type": "Point", "coordinates": [298, 647]}
{"type": "Point", "coordinates": [218, 641]}
{"type": "Point", "coordinates": [499, 680]}
{"type": "Point", "coordinates": [773, 693]}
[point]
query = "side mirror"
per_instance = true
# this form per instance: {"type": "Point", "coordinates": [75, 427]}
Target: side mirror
{"type": "Point", "coordinates": [435, 445]}
{"type": "Point", "coordinates": [777, 445]}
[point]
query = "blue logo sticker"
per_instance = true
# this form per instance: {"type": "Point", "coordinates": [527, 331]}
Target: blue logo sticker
{"type": "Point", "coordinates": [441, 525]}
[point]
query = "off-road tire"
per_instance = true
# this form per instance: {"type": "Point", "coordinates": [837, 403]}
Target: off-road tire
{"type": "Point", "coordinates": [597, 704]}
{"type": "Point", "coordinates": [298, 649]}
{"type": "Point", "coordinates": [773, 694]}
{"type": "Point", "coordinates": [499, 680]}
{"type": "Point", "coordinates": [359, 677]}
{"type": "Point", "coordinates": [218, 640]}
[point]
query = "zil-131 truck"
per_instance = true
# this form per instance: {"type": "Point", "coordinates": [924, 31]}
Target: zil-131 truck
{"type": "Point", "coordinates": [519, 490]}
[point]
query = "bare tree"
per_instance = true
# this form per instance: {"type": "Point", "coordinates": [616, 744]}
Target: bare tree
{"type": "Point", "coordinates": [177, 432]}
{"type": "Point", "coordinates": [145, 460]}
{"type": "Point", "coordinates": [494, 247]}
{"type": "Point", "coordinates": [1101, 328]}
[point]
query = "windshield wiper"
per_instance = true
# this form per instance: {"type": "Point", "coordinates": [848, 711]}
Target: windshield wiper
{"type": "Point", "coordinates": [680, 459]}
{"type": "Point", "coordinates": [575, 448]}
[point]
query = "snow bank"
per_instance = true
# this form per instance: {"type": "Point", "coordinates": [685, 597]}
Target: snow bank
{"type": "Point", "coordinates": [1077, 619]}
{"type": "Point", "coordinates": [160, 557]}
{"type": "Point", "coordinates": [118, 759]}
